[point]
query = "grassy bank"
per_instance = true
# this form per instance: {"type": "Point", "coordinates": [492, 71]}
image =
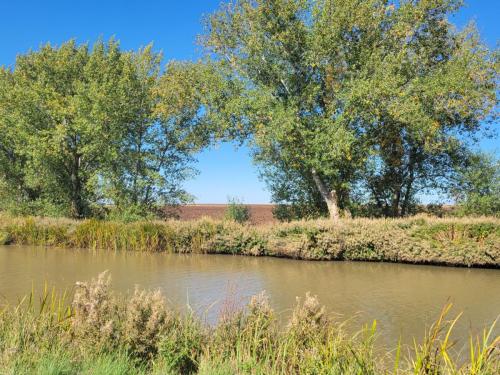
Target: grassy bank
{"type": "Point", "coordinates": [102, 333]}
{"type": "Point", "coordinates": [473, 242]}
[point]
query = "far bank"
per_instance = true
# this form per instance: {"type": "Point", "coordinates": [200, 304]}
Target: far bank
{"type": "Point", "coordinates": [466, 242]}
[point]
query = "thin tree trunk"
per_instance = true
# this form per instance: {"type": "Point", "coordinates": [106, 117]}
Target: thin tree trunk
{"type": "Point", "coordinates": [409, 184]}
{"type": "Point", "coordinates": [330, 197]}
{"type": "Point", "coordinates": [76, 188]}
{"type": "Point", "coordinates": [396, 198]}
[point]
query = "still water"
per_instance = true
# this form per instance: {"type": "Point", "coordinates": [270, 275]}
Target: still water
{"type": "Point", "coordinates": [404, 299]}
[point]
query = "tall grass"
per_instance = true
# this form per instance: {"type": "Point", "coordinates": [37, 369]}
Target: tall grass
{"type": "Point", "coordinates": [473, 242]}
{"type": "Point", "coordinates": [103, 333]}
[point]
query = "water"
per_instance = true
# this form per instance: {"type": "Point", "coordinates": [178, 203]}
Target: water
{"type": "Point", "coordinates": [404, 299]}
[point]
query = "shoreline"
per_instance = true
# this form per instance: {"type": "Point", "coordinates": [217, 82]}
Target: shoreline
{"type": "Point", "coordinates": [421, 240]}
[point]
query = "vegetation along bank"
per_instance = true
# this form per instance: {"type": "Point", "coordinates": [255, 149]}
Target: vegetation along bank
{"type": "Point", "coordinates": [102, 333]}
{"type": "Point", "coordinates": [471, 242]}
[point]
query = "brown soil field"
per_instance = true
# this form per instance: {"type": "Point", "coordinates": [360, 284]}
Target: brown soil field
{"type": "Point", "coordinates": [259, 213]}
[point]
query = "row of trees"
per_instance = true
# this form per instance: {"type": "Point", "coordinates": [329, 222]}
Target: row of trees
{"type": "Point", "coordinates": [342, 102]}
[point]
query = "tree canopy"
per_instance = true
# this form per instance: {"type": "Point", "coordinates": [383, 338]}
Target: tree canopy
{"type": "Point", "coordinates": [343, 103]}
{"type": "Point", "coordinates": [332, 87]}
{"type": "Point", "coordinates": [83, 127]}
{"type": "Point", "coordinates": [477, 185]}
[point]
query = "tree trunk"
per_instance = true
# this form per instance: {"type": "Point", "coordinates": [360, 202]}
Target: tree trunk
{"type": "Point", "coordinates": [76, 189]}
{"type": "Point", "coordinates": [330, 197]}
{"type": "Point", "coordinates": [406, 200]}
{"type": "Point", "coordinates": [409, 184]}
{"type": "Point", "coordinates": [396, 197]}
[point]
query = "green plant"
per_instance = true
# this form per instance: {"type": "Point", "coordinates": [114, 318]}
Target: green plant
{"type": "Point", "coordinates": [146, 320]}
{"type": "Point", "coordinates": [237, 211]}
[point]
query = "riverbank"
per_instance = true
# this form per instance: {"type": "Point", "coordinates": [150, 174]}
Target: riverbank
{"type": "Point", "coordinates": [468, 242]}
{"type": "Point", "coordinates": [103, 333]}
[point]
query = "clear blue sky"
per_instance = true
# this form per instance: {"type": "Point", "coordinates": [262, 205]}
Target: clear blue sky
{"type": "Point", "coordinates": [173, 27]}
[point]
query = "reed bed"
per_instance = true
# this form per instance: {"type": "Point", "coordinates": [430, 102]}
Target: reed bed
{"type": "Point", "coordinates": [99, 332]}
{"type": "Point", "coordinates": [471, 242]}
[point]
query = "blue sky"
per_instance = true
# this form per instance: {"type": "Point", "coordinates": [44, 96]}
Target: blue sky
{"type": "Point", "coordinates": [172, 26]}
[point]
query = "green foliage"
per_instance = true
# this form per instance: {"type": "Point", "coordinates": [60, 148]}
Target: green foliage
{"type": "Point", "coordinates": [477, 187]}
{"type": "Point", "coordinates": [84, 126]}
{"type": "Point", "coordinates": [447, 241]}
{"type": "Point", "coordinates": [180, 349]}
{"type": "Point", "coordinates": [296, 193]}
{"type": "Point", "coordinates": [130, 213]}
{"type": "Point", "coordinates": [237, 211]}
{"type": "Point", "coordinates": [117, 363]}
{"type": "Point", "coordinates": [322, 88]}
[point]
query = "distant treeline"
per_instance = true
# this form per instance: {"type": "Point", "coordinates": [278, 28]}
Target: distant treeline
{"type": "Point", "coordinates": [348, 107]}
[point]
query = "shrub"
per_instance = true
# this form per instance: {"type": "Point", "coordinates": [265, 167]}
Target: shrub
{"type": "Point", "coordinates": [181, 346]}
{"type": "Point", "coordinates": [94, 312]}
{"type": "Point", "coordinates": [154, 340]}
{"type": "Point", "coordinates": [421, 239]}
{"type": "Point", "coordinates": [130, 213]}
{"type": "Point", "coordinates": [308, 319]}
{"type": "Point", "coordinates": [237, 211]}
{"type": "Point", "coordinates": [5, 237]}
{"type": "Point", "coordinates": [145, 322]}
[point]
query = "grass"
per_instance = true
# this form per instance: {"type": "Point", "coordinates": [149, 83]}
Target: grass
{"type": "Point", "coordinates": [471, 242]}
{"type": "Point", "coordinates": [99, 332]}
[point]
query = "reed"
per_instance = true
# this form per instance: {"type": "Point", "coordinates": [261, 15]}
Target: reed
{"type": "Point", "coordinates": [103, 333]}
{"type": "Point", "coordinates": [471, 242]}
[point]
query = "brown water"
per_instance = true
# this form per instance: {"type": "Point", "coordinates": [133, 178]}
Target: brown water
{"type": "Point", "coordinates": [404, 299]}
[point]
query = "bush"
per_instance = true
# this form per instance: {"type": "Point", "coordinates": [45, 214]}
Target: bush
{"type": "Point", "coordinates": [237, 211]}
{"type": "Point", "coordinates": [420, 239]}
{"type": "Point", "coordinates": [94, 308]}
{"type": "Point", "coordinates": [130, 213]}
{"type": "Point", "coordinates": [180, 347]}
{"type": "Point", "coordinates": [145, 322]}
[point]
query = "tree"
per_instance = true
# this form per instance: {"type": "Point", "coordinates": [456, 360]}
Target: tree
{"type": "Point", "coordinates": [237, 211]}
{"type": "Point", "coordinates": [14, 187]}
{"type": "Point", "coordinates": [428, 98]}
{"type": "Point", "coordinates": [328, 84]}
{"type": "Point", "coordinates": [82, 127]}
{"type": "Point", "coordinates": [477, 186]}
{"type": "Point", "coordinates": [162, 133]}
{"type": "Point", "coordinates": [64, 105]}
{"type": "Point", "coordinates": [295, 193]}
{"type": "Point", "coordinates": [391, 184]}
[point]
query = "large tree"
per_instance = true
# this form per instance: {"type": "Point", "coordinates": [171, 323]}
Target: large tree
{"type": "Point", "coordinates": [165, 128]}
{"type": "Point", "coordinates": [65, 107]}
{"type": "Point", "coordinates": [428, 97]}
{"type": "Point", "coordinates": [328, 84]}
{"type": "Point", "coordinates": [82, 126]}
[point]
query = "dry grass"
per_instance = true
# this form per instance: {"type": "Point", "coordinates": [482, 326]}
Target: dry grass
{"type": "Point", "coordinates": [148, 337]}
{"type": "Point", "coordinates": [472, 242]}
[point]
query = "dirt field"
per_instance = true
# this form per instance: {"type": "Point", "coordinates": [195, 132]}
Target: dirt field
{"type": "Point", "coordinates": [259, 213]}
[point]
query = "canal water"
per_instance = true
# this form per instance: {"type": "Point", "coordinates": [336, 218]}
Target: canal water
{"type": "Point", "coordinates": [403, 299]}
